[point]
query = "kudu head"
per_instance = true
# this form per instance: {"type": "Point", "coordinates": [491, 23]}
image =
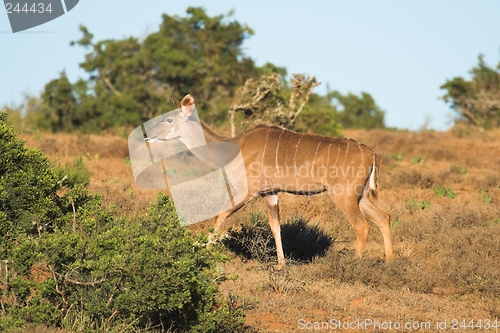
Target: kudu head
{"type": "Point", "coordinates": [181, 124]}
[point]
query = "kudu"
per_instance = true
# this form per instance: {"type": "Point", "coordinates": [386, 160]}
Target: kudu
{"type": "Point", "coordinates": [279, 160]}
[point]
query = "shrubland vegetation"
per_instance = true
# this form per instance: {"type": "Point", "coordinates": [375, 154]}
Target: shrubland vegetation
{"type": "Point", "coordinates": [68, 261]}
{"type": "Point", "coordinates": [74, 259]}
{"type": "Point", "coordinates": [443, 197]}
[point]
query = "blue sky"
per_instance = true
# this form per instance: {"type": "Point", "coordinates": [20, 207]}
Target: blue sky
{"type": "Point", "coordinates": [400, 52]}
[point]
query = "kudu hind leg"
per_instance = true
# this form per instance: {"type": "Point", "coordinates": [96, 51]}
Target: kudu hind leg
{"type": "Point", "coordinates": [349, 206]}
{"type": "Point", "coordinates": [273, 213]}
{"type": "Point", "coordinates": [381, 219]}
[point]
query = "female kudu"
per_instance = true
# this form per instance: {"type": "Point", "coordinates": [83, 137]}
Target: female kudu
{"type": "Point", "coordinates": [279, 160]}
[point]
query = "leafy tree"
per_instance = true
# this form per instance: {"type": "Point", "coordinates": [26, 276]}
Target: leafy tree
{"type": "Point", "coordinates": [130, 81]}
{"type": "Point", "coordinates": [357, 112]}
{"type": "Point", "coordinates": [200, 54]}
{"type": "Point", "coordinates": [119, 90]}
{"type": "Point", "coordinates": [477, 101]}
{"type": "Point", "coordinates": [58, 96]}
{"type": "Point", "coordinates": [319, 117]}
{"type": "Point", "coordinates": [26, 117]}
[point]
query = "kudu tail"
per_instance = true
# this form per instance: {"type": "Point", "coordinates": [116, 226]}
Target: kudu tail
{"type": "Point", "coordinates": [368, 205]}
{"type": "Point", "coordinates": [371, 185]}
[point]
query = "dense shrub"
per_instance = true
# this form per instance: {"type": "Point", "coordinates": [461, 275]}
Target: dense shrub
{"type": "Point", "coordinates": [72, 264]}
{"type": "Point", "coordinates": [73, 174]}
{"type": "Point", "coordinates": [28, 199]}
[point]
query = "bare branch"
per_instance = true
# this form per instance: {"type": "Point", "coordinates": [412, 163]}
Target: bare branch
{"type": "Point", "coordinates": [302, 86]}
{"type": "Point", "coordinates": [82, 283]}
{"type": "Point", "coordinates": [63, 295]}
{"type": "Point", "coordinates": [74, 216]}
{"type": "Point", "coordinates": [108, 83]}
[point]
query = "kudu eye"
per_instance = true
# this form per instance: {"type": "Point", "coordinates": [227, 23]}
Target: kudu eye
{"type": "Point", "coordinates": [167, 120]}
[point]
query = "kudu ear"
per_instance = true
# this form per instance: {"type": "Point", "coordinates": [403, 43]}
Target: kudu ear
{"type": "Point", "coordinates": [176, 102]}
{"type": "Point", "coordinates": [187, 105]}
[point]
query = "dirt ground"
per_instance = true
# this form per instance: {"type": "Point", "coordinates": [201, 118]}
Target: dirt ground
{"type": "Point", "coordinates": [442, 191]}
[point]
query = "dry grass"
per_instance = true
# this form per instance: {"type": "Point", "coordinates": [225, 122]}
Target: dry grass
{"type": "Point", "coordinates": [447, 249]}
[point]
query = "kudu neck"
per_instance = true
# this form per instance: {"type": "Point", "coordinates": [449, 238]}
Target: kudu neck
{"type": "Point", "coordinates": [210, 135]}
{"type": "Point", "coordinates": [199, 143]}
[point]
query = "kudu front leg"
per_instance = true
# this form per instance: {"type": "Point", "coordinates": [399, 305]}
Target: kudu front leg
{"type": "Point", "coordinates": [212, 236]}
{"type": "Point", "coordinates": [273, 213]}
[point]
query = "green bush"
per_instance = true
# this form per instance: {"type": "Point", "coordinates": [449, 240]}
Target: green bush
{"type": "Point", "coordinates": [143, 274]}
{"type": "Point", "coordinates": [485, 196]}
{"type": "Point", "coordinates": [72, 264]}
{"type": "Point", "coordinates": [443, 191]}
{"type": "Point", "coordinates": [27, 189]}
{"type": "Point", "coordinates": [73, 174]}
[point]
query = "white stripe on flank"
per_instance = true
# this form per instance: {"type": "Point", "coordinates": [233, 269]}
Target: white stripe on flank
{"type": "Point", "coordinates": [328, 158]}
{"type": "Point", "coordinates": [338, 152]}
{"type": "Point", "coordinates": [347, 150]}
{"type": "Point", "coordinates": [286, 154]}
{"type": "Point", "coordinates": [277, 148]}
{"type": "Point", "coordinates": [315, 154]}
{"type": "Point", "coordinates": [295, 157]}
{"type": "Point", "coordinates": [264, 151]}
{"type": "Point", "coordinates": [361, 149]}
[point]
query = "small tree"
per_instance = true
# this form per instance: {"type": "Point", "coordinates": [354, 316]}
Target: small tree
{"type": "Point", "coordinates": [268, 100]}
{"type": "Point", "coordinates": [477, 101]}
{"type": "Point", "coordinates": [26, 116]}
{"type": "Point", "coordinates": [59, 99]}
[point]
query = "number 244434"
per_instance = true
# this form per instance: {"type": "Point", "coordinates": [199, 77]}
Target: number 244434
{"type": "Point", "coordinates": [35, 8]}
